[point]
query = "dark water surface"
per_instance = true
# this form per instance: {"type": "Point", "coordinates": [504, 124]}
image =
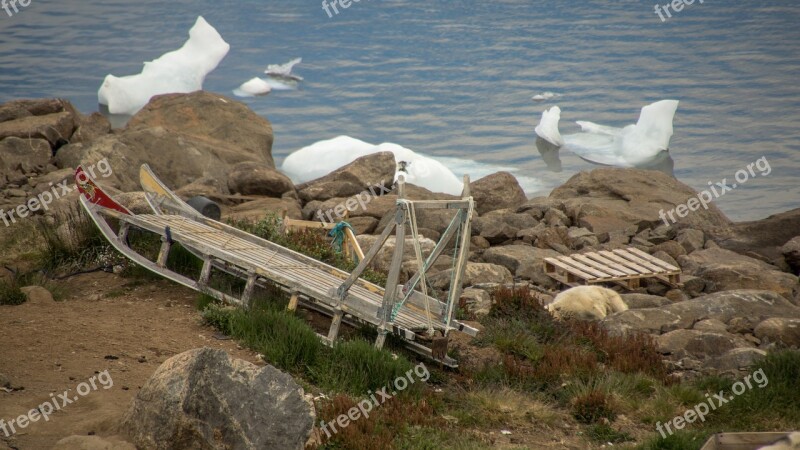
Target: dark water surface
{"type": "Point", "coordinates": [455, 78]}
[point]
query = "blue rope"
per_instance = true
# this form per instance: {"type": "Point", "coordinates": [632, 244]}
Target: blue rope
{"type": "Point", "coordinates": [338, 235]}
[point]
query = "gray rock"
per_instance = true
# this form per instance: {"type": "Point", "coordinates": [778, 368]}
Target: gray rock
{"type": "Point", "coordinates": [383, 258]}
{"type": "Point", "coordinates": [725, 270]}
{"type": "Point", "coordinates": [722, 306]}
{"type": "Point", "coordinates": [205, 399]}
{"type": "Point", "coordinates": [210, 118]}
{"type": "Point", "coordinates": [556, 218]}
{"type": "Point", "coordinates": [370, 171]}
{"type": "Point", "coordinates": [91, 127]}
{"type": "Point", "coordinates": [22, 152]}
{"type": "Point", "coordinates": [56, 128]}
{"type": "Point", "coordinates": [691, 240]}
{"type": "Point", "coordinates": [478, 301]}
{"type": "Point", "coordinates": [37, 295]}
{"type": "Point", "coordinates": [520, 260]}
{"type": "Point", "coordinates": [699, 344]}
{"type": "Point", "coordinates": [791, 252]}
{"type": "Point", "coordinates": [475, 273]}
{"type": "Point", "coordinates": [639, 301]}
{"type": "Point", "coordinates": [499, 190]}
{"type": "Point", "coordinates": [737, 359]}
{"type": "Point", "coordinates": [494, 229]}
{"type": "Point", "coordinates": [258, 178]}
{"type": "Point", "coordinates": [664, 256]}
{"type": "Point", "coordinates": [784, 331]}
{"type": "Point", "coordinates": [712, 325]}
{"type": "Point", "coordinates": [671, 248]}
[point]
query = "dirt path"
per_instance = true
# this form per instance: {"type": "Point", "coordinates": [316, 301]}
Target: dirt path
{"type": "Point", "coordinates": [125, 326]}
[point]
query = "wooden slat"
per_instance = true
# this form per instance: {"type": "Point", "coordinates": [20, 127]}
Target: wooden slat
{"type": "Point", "coordinates": [630, 264]}
{"type": "Point", "coordinates": [583, 267]}
{"type": "Point", "coordinates": [599, 266]}
{"type": "Point", "coordinates": [653, 269]}
{"type": "Point", "coordinates": [603, 260]}
{"type": "Point", "coordinates": [570, 269]}
{"type": "Point", "coordinates": [652, 259]}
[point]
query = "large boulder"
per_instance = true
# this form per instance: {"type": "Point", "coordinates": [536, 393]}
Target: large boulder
{"type": "Point", "coordinates": [725, 270]}
{"type": "Point", "coordinates": [722, 306]}
{"type": "Point", "coordinates": [204, 399]}
{"type": "Point", "coordinates": [699, 344]}
{"type": "Point", "coordinates": [764, 236]}
{"type": "Point", "coordinates": [23, 153]}
{"type": "Point", "coordinates": [177, 159]}
{"type": "Point", "coordinates": [211, 118]}
{"type": "Point", "coordinates": [383, 259]}
{"type": "Point", "coordinates": [258, 178]}
{"type": "Point", "coordinates": [371, 171]}
{"type": "Point", "coordinates": [607, 199]}
{"type": "Point", "coordinates": [474, 274]}
{"type": "Point", "coordinates": [521, 260]}
{"type": "Point", "coordinates": [255, 210]}
{"type": "Point", "coordinates": [56, 128]}
{"type": "Point", "coordinates": [497, 191]}
{"type": "Point", "coordinates": [791, 251]}
{"type": "Point", "coordinates": [781, 330]}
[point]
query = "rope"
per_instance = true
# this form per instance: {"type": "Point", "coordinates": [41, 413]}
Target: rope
{"type": "Point", "coordinates": [338, 235]}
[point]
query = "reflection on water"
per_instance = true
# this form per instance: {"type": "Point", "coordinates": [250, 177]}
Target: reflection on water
{"type": "Point", "coordinates": [454, 79]}
{"type": "Point", "coordinates": [661, 162]}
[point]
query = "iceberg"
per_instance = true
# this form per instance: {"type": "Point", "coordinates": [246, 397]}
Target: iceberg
{"type": "Point", "coordinates": [323, 157]}
{"type": "Point", "coordinates": [253, 87]}
{"type": "Point", "coordinates": [625, 147]}
{"type": "Point", "coordinates": [284, 70]}
{"type": "Point", "coordinates": [179, 71]}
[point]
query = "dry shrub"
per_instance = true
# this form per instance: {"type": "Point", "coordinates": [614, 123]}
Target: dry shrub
{"type": "Point", "coordinates": [634, 352]}
{"type": "Point", "coordinates": [593, 406]}
{"type": "Point", "coordinates": [377, 432]}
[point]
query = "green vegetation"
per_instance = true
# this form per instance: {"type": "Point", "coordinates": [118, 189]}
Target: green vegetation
{"type": "Point", "coordinates": [73, 242]}
{"type": "Point", "coordinates": [289, 343]}
{"type": "Point", "coordinates": [10, 293]}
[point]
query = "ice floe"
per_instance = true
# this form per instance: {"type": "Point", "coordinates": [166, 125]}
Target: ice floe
{"type": "Point", "coordinates": [179, 71]}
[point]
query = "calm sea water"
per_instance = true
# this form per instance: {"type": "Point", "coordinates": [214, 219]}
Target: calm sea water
{"type": "Point", "coordinates": [454, 78]}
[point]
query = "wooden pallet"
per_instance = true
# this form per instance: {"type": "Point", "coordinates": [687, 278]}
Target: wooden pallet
{"type": "Point", "coordinates": [626, 267]}
{"type": "Point", "coordinates": [743, 441]}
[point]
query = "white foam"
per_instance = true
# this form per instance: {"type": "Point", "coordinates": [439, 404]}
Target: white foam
{"type": "Point", "coordinates": [179, 71]}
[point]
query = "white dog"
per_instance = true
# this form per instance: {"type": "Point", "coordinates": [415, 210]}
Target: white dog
{"type": "Point", "coordinates": [586, 303]}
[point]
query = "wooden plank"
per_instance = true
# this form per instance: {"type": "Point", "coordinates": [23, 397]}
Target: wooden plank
{"type": "Point", "coordinates": [583, 267]}
{"type": "Point", "coordinates": [568, 268]}
{"type": "Point", "coordinates": [599, 266]}
{"type": "Point", "coordinates": [630, 264]}
{"type": "Point", "coordinates": [616, 265]}
{"type": "Point", "coordinates": [653, 269]}
{"type": "Point", "coordinates": [653, 259]}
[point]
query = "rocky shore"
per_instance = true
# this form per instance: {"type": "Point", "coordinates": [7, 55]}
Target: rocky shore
{"type": "Point", "coordinates": [740, 296]}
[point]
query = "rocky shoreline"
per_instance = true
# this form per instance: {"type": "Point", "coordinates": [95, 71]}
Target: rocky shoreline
{"type": "Point", "coordinates": [740, 296]}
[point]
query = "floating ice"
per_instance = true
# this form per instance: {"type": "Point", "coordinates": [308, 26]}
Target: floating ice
{"type": "Point", "coordinates": [625, 147]}
{"type": "Point", "coordinates": [253, 87]}
{"type": "Point", "coordinates": [284, 70]}
{"type": "Point", "coordinates": [435, 174]}
{"type": "Point", "coordinates": [323, 157]}
{"type": "Point", "coordinates": [182, 70]}
{"type": "Point", "coordinates": [547, 95]}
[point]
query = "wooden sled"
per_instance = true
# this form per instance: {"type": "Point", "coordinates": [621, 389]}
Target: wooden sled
{"type": "Point", "coordinates": [399, 310]}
